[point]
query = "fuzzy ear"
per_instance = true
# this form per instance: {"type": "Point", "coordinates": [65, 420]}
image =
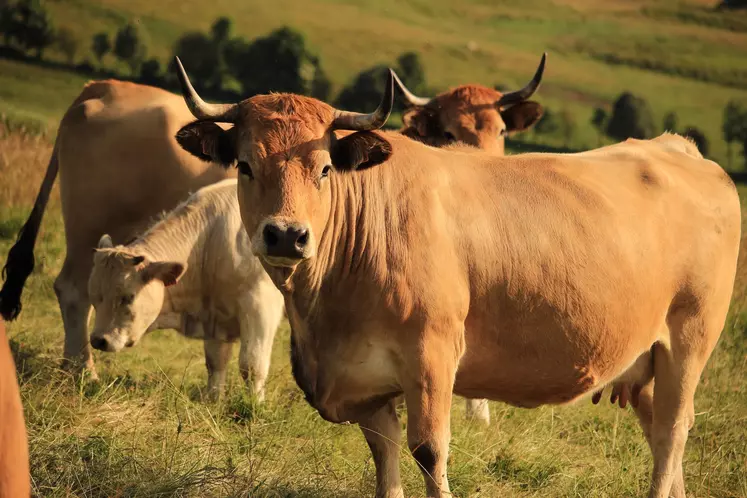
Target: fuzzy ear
{"type": "Point", "coordinates": [359, 151]}
{"type": "Point", "coordinates": [105, 242]}
{"type": "Point", "coordinates": [423, 121]}
{"type": "Point", "coordinates": [209, 142]}
{"type": "Point", "coordinates": [166, 271]}
{"type": "Point", "coordinates": [521, 116]}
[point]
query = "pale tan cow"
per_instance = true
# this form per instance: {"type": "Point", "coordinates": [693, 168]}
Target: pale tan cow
{"type": "Point", "coordinates": [14, 450]}
{"type": "Point", "coordinates": [120, 167]}
{"type": "Point", "coordinates": [530, 279]}
{"type": "Point", "coordinates": [193, 271]}
{"type": "Point", "coordinates": [474, 115]}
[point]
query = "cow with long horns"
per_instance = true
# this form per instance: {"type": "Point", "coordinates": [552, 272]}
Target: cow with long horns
{"type": "Point", "coordinates": [531, 279]}
{"type": "Point", "coordinates": [472, 114]}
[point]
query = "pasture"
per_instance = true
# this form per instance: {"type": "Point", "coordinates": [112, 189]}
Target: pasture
{"type": "Point", "coordinates": [145, 430]}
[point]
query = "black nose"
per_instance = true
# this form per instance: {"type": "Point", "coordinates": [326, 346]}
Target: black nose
{"type": "Point", "coordinates": [100, 343]}
{"type": "Point", "coordinates": [286, 241]}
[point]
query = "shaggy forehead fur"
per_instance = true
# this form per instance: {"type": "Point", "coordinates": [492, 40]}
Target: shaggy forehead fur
{"type": "Point", "coordinates": [279, 123]}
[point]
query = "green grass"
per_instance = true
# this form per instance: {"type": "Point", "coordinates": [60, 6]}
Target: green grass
{"type": "Point", "coordinates": [144, 429]}
{"type": "Point", "coordinates": [681, 55]}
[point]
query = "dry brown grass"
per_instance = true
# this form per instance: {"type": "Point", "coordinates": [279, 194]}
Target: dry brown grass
{"type": "Point", "coordinates": [24, 157]}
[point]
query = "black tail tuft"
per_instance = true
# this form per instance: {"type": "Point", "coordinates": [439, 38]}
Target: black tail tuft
{"type": "Point", "coordinates": [19, 266]}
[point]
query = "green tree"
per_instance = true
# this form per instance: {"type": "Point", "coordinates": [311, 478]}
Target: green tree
{"type": "Point", "coordinates": [220, 31]}
{"type": "Point", "coordinates": [150, 72]}
{"type": "Point", "coordinates": [548, 124]}
{"type": "Point", "coordinates": [567, 123]}
{"type": "Point", "coordinates": [279, 62]}
{"type": "Point", "coordinates": [599, 121]}
{"type": "Point", "coordinates": [734, 126]}
{"type": "Point", "coordinates": [28, 24]}
{"type": "Point", "coordinates": [365, 92]}
{"type": "Point", "coordinates": [101, 45]}
{"type": "Point", "coordinates": [201, 57]}
{"type": "Point", "coordinates": [410, 70]}
{"type": "Point", "coordinates": [671, 122]}
{"type": "Point", "coordinates": [631, 118]}
{"type": "Point", "coordinates": [68, 43]}
{"type": "Point", "coordinates": [697, 136]}
{"type": "Point", "coordinates": [130, 46]}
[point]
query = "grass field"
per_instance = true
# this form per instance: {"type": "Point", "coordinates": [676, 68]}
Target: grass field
{"type": "Point", "coordinates": [679, 54]}
{"type": "Point", "coordinates": [144, 429]}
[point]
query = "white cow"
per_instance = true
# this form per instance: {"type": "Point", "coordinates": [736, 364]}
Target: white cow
{"type": "Point", "coordinates": [193, 271]}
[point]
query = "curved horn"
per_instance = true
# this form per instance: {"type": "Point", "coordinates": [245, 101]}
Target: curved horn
{"type": "Point", "coordinates": [223, 113]}
{"type": "Point", "coordinates": [345, 120]}
{"type": "Point", "coordinates": [410, 97]}
{"type": "Point", "coordinates": [526, 92]}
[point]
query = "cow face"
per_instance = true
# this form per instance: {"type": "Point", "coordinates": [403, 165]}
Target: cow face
{"type": "Point", "coordinates": [468, 114]}
{"type": "Point", "coordinates": [127, 292]}
{"type": "Point", "coordinates": [472, 114]}
{"type": "Point", "coordinates": [286, 153]}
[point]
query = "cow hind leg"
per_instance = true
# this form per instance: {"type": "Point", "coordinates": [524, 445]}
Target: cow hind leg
{"type": "Point", "coordinates": [677, 370]}
{"type": "Point", "coordinates": [259, 323]}
{"type": "Point", "coordinates": [71, 288]}
{"type": "Point", "coordinates": [217, 356]}
{"type": "Point", "coordinates": [478, 410]}
{"type": "Point", "coordinates": [382, 433]}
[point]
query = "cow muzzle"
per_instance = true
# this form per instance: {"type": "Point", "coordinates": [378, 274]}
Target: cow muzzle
{"type": "Point", "coordinates": [285, 244]}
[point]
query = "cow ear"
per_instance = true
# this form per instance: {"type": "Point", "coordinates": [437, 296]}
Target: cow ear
{"type": "Point", "coordinates": [105, 242]}
{"type": "Point", "coordinates": [521, 116]}
{"type": "Point", "coordinates": [166, 271]}
{"type": "Point", "coordinates": [359, 151]}
{"type": "Point", "coordinates": [423, 121]}
{"type": "Point", "coordinates": [209, 142]}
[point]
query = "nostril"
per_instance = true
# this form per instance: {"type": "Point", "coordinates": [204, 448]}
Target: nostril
{"type": "Point", "coordinates": [99, 343]}
{"type": "Point", "coordinates": [303, 237]}
{"type": "Point", "coordinates": [270, 235]}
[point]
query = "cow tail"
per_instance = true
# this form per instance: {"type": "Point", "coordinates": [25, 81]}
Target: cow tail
{"type": "Point", "coordinates": [20, 261]}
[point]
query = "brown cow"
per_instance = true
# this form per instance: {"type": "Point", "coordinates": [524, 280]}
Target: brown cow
{"type": "Point", "coordinates": [14, 450]}
{"type": "Point", "coordinates": [528, 279]}
{"type": "Point", "coordinates": [120, 167]}
{"type": "Point", "coordinates": [473, 114]}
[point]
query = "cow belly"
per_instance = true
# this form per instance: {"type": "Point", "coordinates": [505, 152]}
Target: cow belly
{"type": "Point", "coordinates": [557, 372]}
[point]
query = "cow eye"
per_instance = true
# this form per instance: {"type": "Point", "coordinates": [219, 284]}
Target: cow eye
{"type": "Point", "coordinates": [325, 171]}
{"type": "Point", "coordinates": [502, 133]}
{"type": "Point", "coordinates": [127, 300]}
{"type": "Point", "coordinates": [448, 136]}
{"type": "Point", "coordinates": [245, 169]}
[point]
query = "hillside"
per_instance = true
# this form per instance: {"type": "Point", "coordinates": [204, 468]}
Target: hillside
{"type": "Point", "coordinates": [695, 56]}
{"type": "Point", "coordinates": [681, 56]}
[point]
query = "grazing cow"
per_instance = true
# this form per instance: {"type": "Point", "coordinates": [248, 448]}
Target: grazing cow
{"type": "Point", "coordinates": [14, 450]}
{"type": "Point", "coordinates": [119, 168]}
{"type": "Point", "coordinates": [478, 116]}
{"type": "Point", "coordinates": [530, 279]}
{"type": "Point", "coordinates": [193, 271]}
{"type": "Point", "coordinates": [472, 114]}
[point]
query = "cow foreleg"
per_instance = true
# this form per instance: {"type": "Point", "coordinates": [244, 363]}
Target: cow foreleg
{"type": "Point", "coordinates": [217, 355]}
{"type": "Point", "coordinates": [477, 409]}
{"type": "Point", "coordinates": [71, 288]}
{"type": "Point", "coordinates": [261, 315]}
{"type": "Point", "coordinates": [382, 433]}
{"type": "Point", "coordinates": [428, 393]}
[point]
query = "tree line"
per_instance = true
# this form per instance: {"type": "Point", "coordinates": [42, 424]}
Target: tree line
{"type": "Point", "coordinates": [223, 65]}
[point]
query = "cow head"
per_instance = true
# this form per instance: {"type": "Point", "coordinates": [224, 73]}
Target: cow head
{"type": "Point", "coordinates": [286, 152]}
{"type": "Point", "coordinates": [127, 292]}
{"type": "Point", "coordinates": [472, 114]}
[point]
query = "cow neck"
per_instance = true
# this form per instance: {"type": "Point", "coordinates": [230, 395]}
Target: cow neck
{"type": "Point", "coordinates": [351, 244]}
{"type": "Point", "coordinates": [180, 237]}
